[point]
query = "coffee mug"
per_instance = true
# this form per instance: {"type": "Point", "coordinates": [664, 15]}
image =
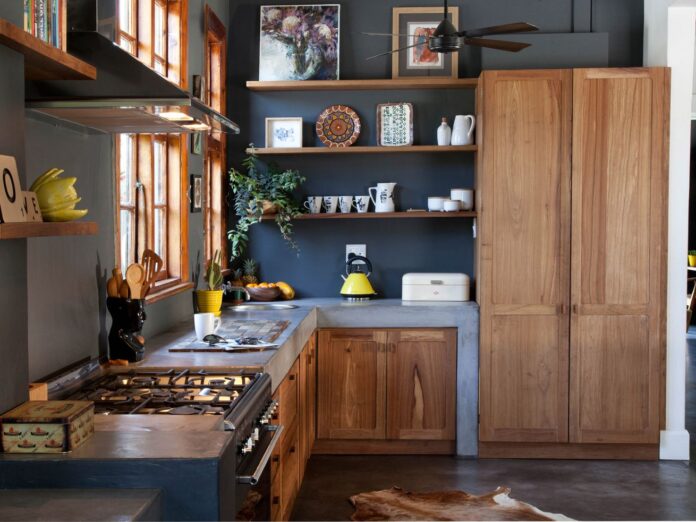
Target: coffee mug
{"type": "Point", "coordinates": [466, 196]}
{"type": "Point", "coordinates": [330, 204]}
{"type": "Point", "coordinates": [313, 204]}
{"type": "Point", "coordinates": [205, 324]}
{"type": "Point", "coordinates": [345, 203]}
{"type": "Point", "coordinates": [450, 205]}
{"type": "Point", "coordinates": [436, 204]}
{"type": "Point", "coordinates": [362, 204]}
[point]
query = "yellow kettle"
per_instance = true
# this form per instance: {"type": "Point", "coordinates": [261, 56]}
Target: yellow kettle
{"type": "Point", "coordinates": [356, 286]}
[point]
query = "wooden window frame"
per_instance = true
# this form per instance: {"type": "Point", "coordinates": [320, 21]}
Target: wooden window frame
{"type": "Point", "coordinates": [175, 278]}
{"type": "Point", "coordinates": [215, 208]}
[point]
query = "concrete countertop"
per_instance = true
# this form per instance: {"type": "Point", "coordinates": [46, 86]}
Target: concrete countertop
{"type": "Point", "coordinates": [311, 314]}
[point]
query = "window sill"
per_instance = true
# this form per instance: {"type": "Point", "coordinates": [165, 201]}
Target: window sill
{"type": "Point", "coordinates": [169, 291]}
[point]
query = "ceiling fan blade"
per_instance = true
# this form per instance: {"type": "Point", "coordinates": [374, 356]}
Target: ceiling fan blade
{"type": "Point", "coordinates": [396, 50]}
{"type": "Point", "coordinates": [517, 27]}
{"type": "Point", "coordinates": [386, 34]}
{"type": "Point", "coordinates": [501, 45]}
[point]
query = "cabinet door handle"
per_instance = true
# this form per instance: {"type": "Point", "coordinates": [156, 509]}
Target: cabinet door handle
{"type": "Point", "coordinates": [575, 309]}
{"type": "Point", "coordinates": [276, 501]}
{"type": "Point", "coordinates": [292, 449]}
{"type": "Point", "coordinates": [291, 377]}
{"type": "Point", "coordinates": [347, 350]}
{"type": "Point", "coordinates": [276, 459]}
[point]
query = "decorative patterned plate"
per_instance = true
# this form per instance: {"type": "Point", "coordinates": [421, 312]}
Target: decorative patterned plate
{"type": "Point", "coordinates": [338, 126]}
{"type": "Point", "coordinates": [394, 124]}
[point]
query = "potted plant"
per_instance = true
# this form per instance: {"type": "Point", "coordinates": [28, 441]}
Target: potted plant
{"type": "Point", "coordinates": [210, 300]}
{"type": "Point", "coordinates": [692, 257]}
{"type": "Point", "coordinates": [263, 191]}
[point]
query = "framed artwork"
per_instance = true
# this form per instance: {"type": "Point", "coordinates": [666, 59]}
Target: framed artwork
{"type": "Point", "coordinates": [416, 25]}
{"type": "Point", "coordinates": [299, 42]}
{"type": "Point", "coordinates": [197, 143]}
{"type": "Point", "coordinates": [196, 196]}
{"type": "Point", "coordinates": [283, 133]}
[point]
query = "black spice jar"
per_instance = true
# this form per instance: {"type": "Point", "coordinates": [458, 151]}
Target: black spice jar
{"type": "Point", "coordinates": [125, 339]}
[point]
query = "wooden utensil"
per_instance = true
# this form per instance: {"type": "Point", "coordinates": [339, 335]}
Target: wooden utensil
{"type": "Point", "coordinates": [152, 264]}
{"type": "Point", "coordinates": [135, 276]}
{"type": "Point", "coordinates": [124, 290]}
{"type": "Point", "coordinates": [118, 276]}
{"type": "Point", "coordinates": [112, 287]}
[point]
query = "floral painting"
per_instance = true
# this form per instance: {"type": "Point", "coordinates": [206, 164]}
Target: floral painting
{"type": "Point", "coordinates": [299, 42]}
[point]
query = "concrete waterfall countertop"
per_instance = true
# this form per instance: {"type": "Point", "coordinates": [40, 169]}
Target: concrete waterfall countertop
{"type": "Point", "coordinates": [311, 314]}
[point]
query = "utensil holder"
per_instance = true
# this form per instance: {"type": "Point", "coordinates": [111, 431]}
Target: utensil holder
{"type": "Point", "coordinates": [128, 317]}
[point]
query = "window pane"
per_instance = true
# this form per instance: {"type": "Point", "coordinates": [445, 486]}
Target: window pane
{"type": "Point", "coordinates": [160, 36]}
{"type": "Point", "coordinates": [126, 44]}
{"type": "Point", "coordinates": [160, 232]}
{"type": "Point", "coordinates": [160, 173]}
{"type": "Point", "coordinates": [126, 239]}
{"type": "Point", "coordinates": [127, 176]}
{"type": "Point", "coordinates": [125, 16]}
{"type": "Point", "coordinates": [160, 67]}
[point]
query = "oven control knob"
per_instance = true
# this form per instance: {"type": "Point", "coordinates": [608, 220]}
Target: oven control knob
{"type": "Point", "coordinates": [248, 446]}
{"type": "Point", "coordinates": [264, 420]}
{"type": "Point", "coordinates": [256, 435]}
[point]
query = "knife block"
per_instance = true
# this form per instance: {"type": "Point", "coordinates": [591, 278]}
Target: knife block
{"type": "Point", "coordinates": [128, 317]}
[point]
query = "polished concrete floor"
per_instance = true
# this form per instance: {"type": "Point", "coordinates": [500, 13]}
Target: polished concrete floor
{"type": "Point", "coordinates": [584, 490]}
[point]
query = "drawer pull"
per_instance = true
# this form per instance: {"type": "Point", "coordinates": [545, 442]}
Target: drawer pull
{"type": "Point", "coordinates": [276, 501]}
{"type": "Point", "coordinates": [275, 459]}
{"type": "Point", "coordinates": [291, 377]}
{"type": "Point", "coordinates": [292, 449]}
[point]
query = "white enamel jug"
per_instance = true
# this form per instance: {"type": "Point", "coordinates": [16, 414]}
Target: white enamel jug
{"type": "Point", "coordinates": [383, 197]}
{"type": "Point", "coordinates": [463, 130]}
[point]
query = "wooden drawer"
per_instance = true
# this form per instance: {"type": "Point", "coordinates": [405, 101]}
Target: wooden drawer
{"type": "Point", "coordinates": [289, 390]}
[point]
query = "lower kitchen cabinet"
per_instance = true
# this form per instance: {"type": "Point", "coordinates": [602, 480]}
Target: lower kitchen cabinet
{"type": "Point", "coordinates": [386, 391]}
{"type": "Point", "coordinates": [296, 413]}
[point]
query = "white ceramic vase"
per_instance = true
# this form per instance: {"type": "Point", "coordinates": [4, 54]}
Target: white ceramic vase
{"type": "Point", "coordinates": [444, 134]}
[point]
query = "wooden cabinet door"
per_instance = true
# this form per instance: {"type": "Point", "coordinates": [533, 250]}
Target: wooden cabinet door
{"type": "Point", "coordinates": [308, 389]}
{"type": "Point", "coordinates": [351, 384]}
{"type": "Point", "coordinates": [421, 384]}
{"type": "Point", "coordinates": [524, 255]}
{"type": "Point", "coordinates": [619, 246]}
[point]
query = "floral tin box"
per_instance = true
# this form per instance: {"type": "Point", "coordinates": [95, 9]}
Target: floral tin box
{"type": "Point", "coordinates": [47, 426]}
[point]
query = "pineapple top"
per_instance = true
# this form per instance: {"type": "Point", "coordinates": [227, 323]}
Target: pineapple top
{"type": "Point", "coordinates": [250, 267]}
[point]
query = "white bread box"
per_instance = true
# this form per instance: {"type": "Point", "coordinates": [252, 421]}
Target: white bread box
{"type": "Point", "coordinates": [435, 287]}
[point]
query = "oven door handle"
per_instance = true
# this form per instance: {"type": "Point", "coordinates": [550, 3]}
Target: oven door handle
{"type": "Point", "coordinates": [254, 478]}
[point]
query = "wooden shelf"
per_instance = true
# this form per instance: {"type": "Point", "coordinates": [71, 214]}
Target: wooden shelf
{"type": "Point", "coordinates": [25, 230]}
{"type": "Point", "coordinates": [382, 215]}
{"type": "Point", "coordinates": [361, 150]}
{"type": "Point", "coordinates": [41, 60]}
{"type": "Point", "coordinates": [364, 85]}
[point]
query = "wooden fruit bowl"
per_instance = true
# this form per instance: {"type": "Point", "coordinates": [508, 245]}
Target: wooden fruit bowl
{"type": "Point", "coordinates": [263, 294]}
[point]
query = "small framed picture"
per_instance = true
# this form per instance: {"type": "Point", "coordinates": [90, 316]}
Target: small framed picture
{"type": "Point", "coordinates": [283, 133]}
{"type": "Point", "coordinates": [196, 193]}
{"type": "Point", "coordinates": [416, 25]}
{"type": "Point", "coordinates": [197, 143]}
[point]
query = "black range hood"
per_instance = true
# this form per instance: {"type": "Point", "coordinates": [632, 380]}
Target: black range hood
{"type": "Point", "coordinates": [127, 96]}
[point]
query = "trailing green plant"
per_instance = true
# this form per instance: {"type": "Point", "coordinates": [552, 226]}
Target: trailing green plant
{"type": "Point", "coordinates": [252, 187]}
{"type": "Point", "coordinates": [213, 273]}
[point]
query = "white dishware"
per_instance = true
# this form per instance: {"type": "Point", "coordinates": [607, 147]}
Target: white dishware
{"type": "Point", "coordinates": [313, 204]}
{"type": "Point", "coordinates": [383, 197]}
{"type": "Point", "coordinates": [463, 130]}
{"type": "Point", "coordinates": [451, 205]}
{"type": "Point", "coordinates": [362, 204]}
{"type": "Point", "coordinates": [345, 204]}
{"type": "Point", "coordinates": [205, 324]}
{"type": "Point", "coordinates": [330, 204]}
{"type": "Point", "coordinates": [466, 196]}
{"type": "Point", "coordinates": [436, 204]}
{"type": "Point", "coordinates": [444, 134]}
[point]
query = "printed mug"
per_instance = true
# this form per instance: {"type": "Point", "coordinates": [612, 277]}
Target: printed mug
{"type": "Point", "coordinates": [313, 204]}
{"type": "Point", "coordinates": [345, 203]}
{"type": "Point", "coordinates": [362, 204]}
{"type": "Point", "coordinates": [330, 204]}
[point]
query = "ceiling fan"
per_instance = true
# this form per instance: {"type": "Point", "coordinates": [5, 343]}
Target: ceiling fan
{"type": "Point", "coordinates": [446, 38]}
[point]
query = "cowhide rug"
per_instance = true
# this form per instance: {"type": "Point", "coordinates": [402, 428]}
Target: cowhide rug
{"type": "Point", "coordinates": [397, 504]}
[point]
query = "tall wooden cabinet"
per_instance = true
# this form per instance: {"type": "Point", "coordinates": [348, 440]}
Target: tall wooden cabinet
{"type": "Point", "coordinates": [571, 202]}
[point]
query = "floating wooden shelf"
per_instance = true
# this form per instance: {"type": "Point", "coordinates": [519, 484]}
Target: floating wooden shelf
{"type": "Point", "coordinates": [364, 85]}
{"type": "Point", "coordinates": [360, 150]}
{"type": "Point", "coordinates": [41, 60]}
{"type": "Point", "coordinates": [383, 215]}
{"type": "Point", "coordinates": [24, 230]}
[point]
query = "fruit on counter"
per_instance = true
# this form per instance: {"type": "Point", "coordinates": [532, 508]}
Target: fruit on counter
{"type": "Point", "coordinates": [57, 196]}
{"type": "Point", "coordinates": [287, 291]}
{"type": "Point", "coordinates": [249, 276]}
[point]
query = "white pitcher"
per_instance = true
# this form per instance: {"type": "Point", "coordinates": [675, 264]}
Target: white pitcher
{"type": "Point", "coordinates": [463, 130]}
{"type": "Point", "coordinates": [383, 198]}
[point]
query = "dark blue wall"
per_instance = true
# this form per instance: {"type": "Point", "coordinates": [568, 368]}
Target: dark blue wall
{"type": "Point", "coordinates": [394, 246]}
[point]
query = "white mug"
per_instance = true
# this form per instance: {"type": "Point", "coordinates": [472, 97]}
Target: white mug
{"type": "Point", "coordinates": [466, 196]}
{"type": "Point", "coordinates": [345, 203]}
{"type": "Point", "coordinates": [451, 205]}
{"type": "Point", "coordinates": [330, 204]}
{"type": "Point", "coordinates": [436, 204]}
{"type": "Point", "coordinates": [362, 204]}
{"type": "Point", "coordinates": [205, 324]}
{"type": "Point", "coordinates": [313, 204]}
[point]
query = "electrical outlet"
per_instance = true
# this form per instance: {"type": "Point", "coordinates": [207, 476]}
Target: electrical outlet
{"type": "Point", "coordinates": [358, 250]}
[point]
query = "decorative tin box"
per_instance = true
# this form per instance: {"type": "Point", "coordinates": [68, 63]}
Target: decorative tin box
{"type": "Point", "coordinates": [47, 426]}
{"type": "Point", "coordinates": [435, 287]}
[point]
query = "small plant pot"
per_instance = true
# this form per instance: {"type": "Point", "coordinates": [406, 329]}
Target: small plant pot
{"type": "Point", "coordinates": [209, 301]}
{"type": "Point", "coordinates": [692, 259]}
